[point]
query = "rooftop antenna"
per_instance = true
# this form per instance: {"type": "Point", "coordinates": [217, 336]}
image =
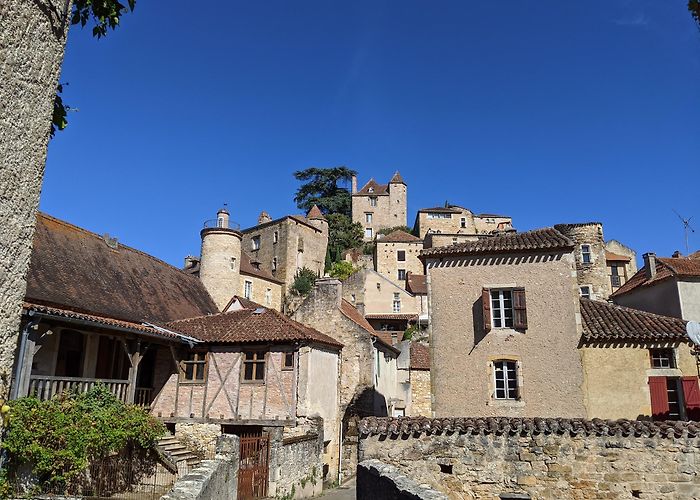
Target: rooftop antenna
{"type": "Point", "coordinates": [686, 227]}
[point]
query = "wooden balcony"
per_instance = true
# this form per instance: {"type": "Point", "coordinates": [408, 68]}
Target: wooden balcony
{"type": "Point", "coordinates": [45, 387]}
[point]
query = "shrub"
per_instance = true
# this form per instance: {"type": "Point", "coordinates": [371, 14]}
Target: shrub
{"type": "Point", "coordinates": [61, 437]}
{"type": "Point", "coordinates": [303, 282]}
{"type": "Point", "coordinates": [410, 331]}
{"type": "Point", "coordinates": [342, 270]}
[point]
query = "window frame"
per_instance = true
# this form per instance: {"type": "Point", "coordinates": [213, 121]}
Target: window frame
{"type": "Point", "coordinates": [654, 355]}
{"type": "Point", "coordinates": [255, 243]}
{"type": "Point", "coordinates": [396, 303]}
{"type": "Point", "coordinates": [285, 366]}
{"type": "Point", "coordinates": [401, 274]}
{"type": "Point", "coordinates": [502, 310]}
{"type": "Point", "coordinates": [275, 237]}
{"type": "Point", "coordinates": [584, 253]}
{"type": "Point", "coordinates": [183, 378]}
{"type": "Point", "coordinates": [369, 217]}
{"type": "Point", "coordinates": [587, 295]}
{"type": "Point", "coordinates": [401, 256]}
{"type": "Point", "coordinates": [369, 233]}
{"type": "Point", "coordinates": [256, 362]}
{"type": "Point", "coordinates": [372, 201]}
{"type": "Point", "coordinates": [505, 370]}
{"type": "Point", "coordinates": [463, 222]}
{"type": "Point", "coordinates": [248, 289]}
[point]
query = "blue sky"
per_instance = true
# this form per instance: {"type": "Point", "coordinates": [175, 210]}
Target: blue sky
{"type": "Point", "coordinates": [548, 111]}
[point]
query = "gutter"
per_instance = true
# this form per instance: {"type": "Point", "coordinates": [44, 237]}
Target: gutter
{"type": "Point", "coordinates": [185, 338]}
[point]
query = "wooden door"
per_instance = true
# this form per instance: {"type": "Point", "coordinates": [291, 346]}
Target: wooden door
{"type": "Point", "coordinates": [253, 468]}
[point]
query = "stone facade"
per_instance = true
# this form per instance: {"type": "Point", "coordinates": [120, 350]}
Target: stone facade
{"type": "Point", "coordinates": [283, 246]}
{"type": "Point", "coordinates": [393, 259]}
{"type": "Point", "coordinates": [420, 393]}
{"type": "Point", "coordinates": [299, 469]}
{"type": "Point", "coordinates": [32, 42]}
{"type": "Point", "coordinates": [545, 460]}
{"type": "Point", "coordinates": [380, 481]}
{"type": "Point", "coordinates": [265, 292]}
{"type": "Point", "coordinates": [220, 262]}
{"type": "Point", "coordinates": [374, 294]}
{"type": "Point", "coordinates": [594, 273]}
{"type": "Point", "coordinates": [621, 262]}
{"type": "Point", "coordinates": [455, 221]}
{"type": "Point", "coordinates": [380, 206]}
{"type": "Point", "coordinates": [463, 352]}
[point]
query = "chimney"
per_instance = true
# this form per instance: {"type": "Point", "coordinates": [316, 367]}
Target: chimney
{"type": "Point", "coordinates": [650, 264]}
{"type": "Point", "coordinates": [191, 261]}
{"type": "Point", "coordinates": [331, 289]}
{"type": "Point", "coordinates": [677, 254]}
{"type": "Point", "coordinates": [354, 184]}
{"type": "Point", "coordinates": [264, 217]}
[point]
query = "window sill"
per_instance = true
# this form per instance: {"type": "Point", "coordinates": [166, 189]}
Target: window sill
{"type": "Point", "coordinates": [253, 382]}
{"type": "Point", "coordinates": [508, 403]}
{"type": "Point", "coordinates": [664, 372]}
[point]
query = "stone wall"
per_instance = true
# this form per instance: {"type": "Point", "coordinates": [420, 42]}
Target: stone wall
{"type": "Point", "coordinates": [387, 263]}
{"type": "Point", "coordinates": [260, 287]}
{"type": "Point", "coordinates": [380, 481]}
{"type": "Point", "coordinates": [200, 438]}
{"type": "Point", "coordinates": [391, 208]}
{"type": "Point", "coordinates": [211, 479]}
{"type": "Point", "coordinates": [542, 458]}
{"type": "Point", "coordinates": [32, 42]}
{"type": "Point", "coordinates": [595, 273]}
{"type": "Point", "coordinates": [420, 393]}
{"type": "Point", "coordinates": [300, 466]}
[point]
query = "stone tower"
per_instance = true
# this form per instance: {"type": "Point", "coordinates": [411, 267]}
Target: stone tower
{"type": "Point", "coordinates": [316, 219]}
{"type": "Point", "coordinates": [591, 268]}
{"type": "Point", "coordinates": [220, 260]}
{"type": "Point", "coordinates": [398, 200]}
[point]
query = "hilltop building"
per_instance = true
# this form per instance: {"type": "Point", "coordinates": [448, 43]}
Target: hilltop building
{"type": "Point", "coordinates": [396, 255]}
{"type": "Point", "coordinates": [380, 206]}
{"type": "Point", "coordinates": [455, 222]}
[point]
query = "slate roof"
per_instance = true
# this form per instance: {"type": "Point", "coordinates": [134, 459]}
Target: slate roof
{"type": "Point", "coordinates": [420, 357]}
{"type": "Point", "coordinates": [74, 269]}
{"type": "Point", "coordinates": [417, 284]}
{"type": "Point", "coordinates": [248, 268]}
{"type": "Point", "coordinates": [538, 240]}
{"type": "Point", "coordinates": [250, 325]}
{"type": "Point", "coordinates": [351, 312]}
{"type": "Point", "coordinates": [399, 236]}
{"type": "Point", "coordinates": [666, 267]}
{"type": "Point", "coordinates": [605, 322]}
{"type": "Point", "coordinates": [515, 426]}
{"type": "Point", "coordinates": [377, 188]}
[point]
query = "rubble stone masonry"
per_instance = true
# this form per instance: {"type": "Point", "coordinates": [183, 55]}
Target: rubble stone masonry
{"type": "Point", "coordinates": [540, 458]}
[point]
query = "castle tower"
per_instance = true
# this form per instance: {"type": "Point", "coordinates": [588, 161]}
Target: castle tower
{"type": "Point", "coordinates": [220, 260]}
{"type": "Point", "coordinates": [398, 201]}
{"type": "Point", "coordinates": [316, 219]}
{"type": "Point", "coordinates": [591, 267]}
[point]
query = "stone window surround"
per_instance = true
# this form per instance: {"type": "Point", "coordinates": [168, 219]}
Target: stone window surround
{"type": "Point", "coordinates": [590, 291]}
{"type": "Point", "coordinates": [255, 242]}
{"type": "Point", "coordinates": [591, 258]}
{"type": "Point", "coordinates": [490, 373]}
{"type": "Point", "coordinates": [248, 289]}
{"type": "Point", "coordinates": [368, 217]}
{"type": "Point", "coordinates": [673, 360]}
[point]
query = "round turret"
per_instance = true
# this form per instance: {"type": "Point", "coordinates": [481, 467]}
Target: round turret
{"type": "Point", "coordinates": [220, 260]}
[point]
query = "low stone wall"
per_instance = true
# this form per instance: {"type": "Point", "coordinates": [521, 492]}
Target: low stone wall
{"type": "Point", "coordinates": [211, 479]}
{"type": "Point", "coordinates": [300, 462]}
{"type": "Point", "coordinates": [199, 437]}
{"type": "Point", "coordinates": [380, 481]}
{"type": "Point", "coordinates": [540, 458]}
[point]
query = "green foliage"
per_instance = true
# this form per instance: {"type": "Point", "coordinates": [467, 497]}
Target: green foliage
{"type": "Point", "coordinates": [304, 281]}
{"type": "Point", "coordinates": [60, 111]}
{"type": "Point", "coordinates": [694, 9]}
{"type": "Point", "coordinates": [62, 436]}
{"type": "Point", "coordinates": [320, 187]}
{"type": "Point", "coordinates": [410, 332]}
{"type": "Point", "coordinates": [342, 270]}
{"type": "Point", "coordinates": [369, 247]}
{"type": "Point", "coordinates": [343, 234]}
{"type": "Point", "coordinates": [389, 230]}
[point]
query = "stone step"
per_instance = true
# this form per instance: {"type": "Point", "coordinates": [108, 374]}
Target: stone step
{"type": "Point", "coordinates": [168, 440]}
{"type": "Point", "coordinates": [180, 452]}
{"type": "Point", "coordinates": [171, 447]}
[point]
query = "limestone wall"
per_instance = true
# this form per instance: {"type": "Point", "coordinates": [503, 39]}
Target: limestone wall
{"type": "Point", "coordinates": [540, 458]}
{"type": "Point", "coordinates": [380, 481]}
{"type": "Point", "coordinates": [595, 273]}
{"type": "Point", "coordinates": [32, 41]}
{"type": "Point", "coordinates": [420, 393]}
{"type": "Point", "coordinates": [388, 264]}
{"type": "Point", "coordinates": [300, 467]}
{"type": "Point", "coordinates": [264, 292]}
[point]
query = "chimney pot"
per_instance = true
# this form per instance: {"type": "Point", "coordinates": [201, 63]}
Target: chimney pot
{"type": "Point", "coordinates": [650, 264]}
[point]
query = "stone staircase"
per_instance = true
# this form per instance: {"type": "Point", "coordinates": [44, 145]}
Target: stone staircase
{"type": "Point", "coordinates": [177, 453]}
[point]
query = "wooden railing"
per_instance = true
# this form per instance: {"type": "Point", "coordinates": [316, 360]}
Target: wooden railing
{"type": "Point", "coordinates": [45, 387]}
{"type": "Point", "coordinates": [143, 397]}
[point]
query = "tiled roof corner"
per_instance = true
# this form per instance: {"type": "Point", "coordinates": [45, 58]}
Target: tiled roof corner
{"type": "Point", "coordinates": [399, 236]}
{"type": "Point", "coordinates": [315, 213]}
{"type": "Point", "coordinates": [420, 356]}
{"type": "Point", "coordinates": [397, 179]}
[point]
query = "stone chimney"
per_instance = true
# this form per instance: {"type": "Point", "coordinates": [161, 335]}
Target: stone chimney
{"type": "Point", "coordinates": [264, 217]}
{"type": "Point", "coordinates": [331, 289]}
{"type": "Point", "coordinates": [354, 184]}
{"type": "Point", "coordinates": [677, 254]}
{"type": "Point", "coordinates": [650, 264]}
{"type": "Point", "coordinates": [191, 261]}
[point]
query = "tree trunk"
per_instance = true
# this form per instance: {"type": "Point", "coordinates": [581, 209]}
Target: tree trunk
{"type": "Point", "coordinates": [32, 41]}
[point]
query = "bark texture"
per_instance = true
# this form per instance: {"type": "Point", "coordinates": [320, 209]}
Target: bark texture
{"type": "Point", "coordinates": [32, 42]}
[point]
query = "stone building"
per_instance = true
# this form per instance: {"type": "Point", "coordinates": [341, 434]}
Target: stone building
{"type": "Point", "coordinates": [454, 221]}
{"type": "Point", "coordinates": [414, 378]}
{"type": "Point", "coordinates": [504, 326]}
{"type": "Point", "coordinates": [396, 255]}
{"type": "Point", "coordinates": [285, 245]}
{"type": "Point", "coordinates": [621, 262]}
{"type": "Point", "coordinates": [591, 263]}
{"type": "Point", "coordinates": [379, 206]}
{"type": "Point", "coordinates": [665, 285]}
{"type": "Point", "coordinates": [637, 365]}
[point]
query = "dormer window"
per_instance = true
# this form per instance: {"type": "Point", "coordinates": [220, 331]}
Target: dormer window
{"type": "Point", "coordinates": [370, 190]}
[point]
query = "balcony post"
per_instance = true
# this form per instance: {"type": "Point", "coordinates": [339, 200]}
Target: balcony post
{"type": "Point", "coordinates": [135, 358]}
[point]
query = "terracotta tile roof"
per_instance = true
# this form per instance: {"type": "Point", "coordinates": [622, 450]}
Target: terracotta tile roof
{"type": "Point", "coordinates": [407, 316]}
{"type": "Point", "coordinates": [98, 320]}
{"type": "Point", "coordinates": [399, 236]}
{"type": "Point", "coordinates": [375, 188]}
{"type": "Point", "coordinates": [616, 256]}
{"type": "Point", "coordinates": [537, 240]}
{"type": "Point", "coordinates": [296, 218]}
{"type": "Point", "coordinates": [417, 284]}
{"type": "Point", "coordinates": [250, 325]}
{"type": "Point", "coordinates": [515, 426]}
{"type": "Point", "coordinates": [420, 356]}
{"type": "Point", "coordinates": [446, 210]}
{"type": "Point", "coordinates": [248, 268]}
{"type": "Point", "coordinates": [397, 179]}
{"type": "Point", "coordinates": [694, 255]}
{"type": "Point", "coordinates": [666, 267]}
{"type": "Point", "coordinates": [351, 312]}
{"type": "Point", "coordinates": [315, 213]}
{"type": "Point", "coordinates": [75, 269]}
{"type": "Point", "coordinates": [605, 322]}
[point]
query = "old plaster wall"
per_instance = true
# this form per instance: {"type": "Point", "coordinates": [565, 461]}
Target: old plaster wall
{"type": "Point", "coordinates": [264, 292]}
{"type": "Point", "coordinates": [544, 466]}
{"type": "Point", "coordinates": [387, 263]}
{"type": "Point", "coordinates": [462, 353]}
{"type": "Point", "coordinates": [595, 273]}
{"type": "Point", "coordinates": [300, 467]}
{"type": "Point", "coordinates": [32, 42]}
{"type": "Point", "coordinates": [690, 299]}
{"type": "Point", "coordinates": [617, 378]}
{"type": "Point", "coordinates": [660, 298]}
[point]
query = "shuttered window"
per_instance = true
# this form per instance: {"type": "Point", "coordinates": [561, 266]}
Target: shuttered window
{"type": "Point", "coordinates": [691, 394]}
{"type": "Point", "coordinates": [659, 398]}
{"type": "Point", "coordinates": [504, 308]}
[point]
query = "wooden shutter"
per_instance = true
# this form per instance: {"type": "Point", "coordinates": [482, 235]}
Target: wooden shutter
{"type": "Point", "coordinates": [659, 398]}
{"type": "Point", "coordinates": [486, 308]}
{"type": "Point", "coordinates": [691, 394]}
{"type": "Point", "coordinates": [519, 309]}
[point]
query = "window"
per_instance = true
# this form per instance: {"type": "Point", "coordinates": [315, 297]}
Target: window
{"type": "Point", "coordinates": [379, 286]}
{"type": "Point", "coordinates": [615, 281]}
{"type": "Point", "coordinates": [504, 308]}
{"type": "Point", "coordinates": [255, 243]}
{"type": "Point", "coordinates": [438, 215]}
{"type": "Point", "coordinates": [674, 398]}
{"type": "Point", "coordinates": [370, 190]}
{"type": "Point", "coordinates": [248, 289]}
{"type": "Point", "coordinates": [586, 254]}
{"type": "Point", "coordinates": [454, 240]}
{"type": "Point", "coordinates": [368, 218]}
{"type": "Point", "coordinates": [254, 366]}
{"type": "Point", "coordinates": [372, 201]}
{"type": "Point", "coordinates": [288, 361]}
{"type": "Point", "coordinates": [275, 237]}
{"type": "Point", "coordinates": [268, 297]}
{"type": "Point", "coordinates": [402, 274]}
{"type": "Point", "coordinates": [401, 255]}
{"type": "Point", "coordinates": [300, 244]}
{"type": "Point", "coordinates": [194, 367]}
{"type": "Point", "coordinates": [396, 305]}
{"type": "Point", "coordinates": [368, 232]}
{"type": "Point", "coordinates": [463, 222]}
{"type": "Point", "coordinates": [233, 263]}
{"type": "Point", "coordinates": [585, 292]}
{"type": "Point", "coordinates": [662, 358]}
{"type": "Point", "coordinates": [274, 263]}
{"type": "Point", "coordinates": [505, 380]}
{"type": "Point", "coordinates": [220, 222]}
